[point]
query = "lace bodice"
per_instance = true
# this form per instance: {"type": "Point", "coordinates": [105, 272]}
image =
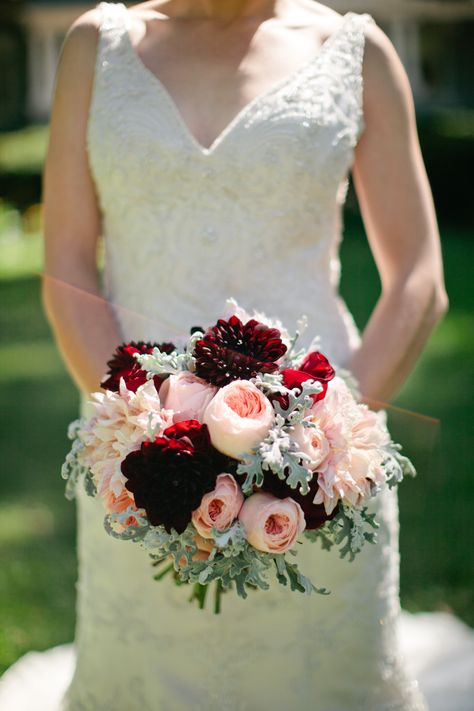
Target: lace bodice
{"type": "Point", "coordinates": [257, 216]}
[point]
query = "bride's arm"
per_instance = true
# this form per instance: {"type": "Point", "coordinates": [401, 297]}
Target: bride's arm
{"type": "Point", "coordinates": [82, 322]}
{"type": "Point", "coordinates": [400, 221]}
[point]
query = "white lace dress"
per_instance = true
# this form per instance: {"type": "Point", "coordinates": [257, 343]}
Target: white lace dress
{"type": "Point", "coordinates": [256, 216]}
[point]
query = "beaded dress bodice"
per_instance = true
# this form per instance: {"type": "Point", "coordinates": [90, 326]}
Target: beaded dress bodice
{"type": "Point", "coordinates": [256, 216]}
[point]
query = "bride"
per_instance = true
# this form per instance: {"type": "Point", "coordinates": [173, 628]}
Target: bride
{"type": "Point", "coordinates": [209, 142]}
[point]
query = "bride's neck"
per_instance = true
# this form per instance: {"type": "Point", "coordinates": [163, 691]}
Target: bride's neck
{"type": "Point", "coordinates": [223, 10]}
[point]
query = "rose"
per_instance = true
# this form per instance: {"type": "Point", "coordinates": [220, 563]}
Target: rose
{"type": "Point", "coordinates": [238, 417]}
{"type": "Point", "coordinates": [318, 366]}
{"type": "Point", "coordinates": [312, 442]}
{"type": "Point", "coordinates": [271, 525]}
{"type": "Point", "coordinates": [314, 366]}
{"type": "Point", "coordinates": [219, 507]}
{"type": "Point", "coordinates": [187, 395]}
{"type": "Point", "coordinates": [204, 548]}
{"type": "Point", "coordinates": [314, 514]}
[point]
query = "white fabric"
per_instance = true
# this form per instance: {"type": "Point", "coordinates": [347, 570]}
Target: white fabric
{"type": "Point", "coordinates": [256, 216]}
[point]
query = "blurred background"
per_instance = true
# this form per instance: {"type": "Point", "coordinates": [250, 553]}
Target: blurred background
{"type": "Point", "coordinates": [434, 39]}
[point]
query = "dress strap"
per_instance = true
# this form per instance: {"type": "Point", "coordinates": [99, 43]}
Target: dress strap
{"type": "Point", "coordinates": [112, 28]}
{"type": "Point", "coordinates": [356, 42]}
{"type": "Point", "coordinates": [112, 16]}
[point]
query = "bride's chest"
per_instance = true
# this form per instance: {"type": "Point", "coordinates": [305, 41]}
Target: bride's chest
{"type": "Point", "coordinates": [297, 139]}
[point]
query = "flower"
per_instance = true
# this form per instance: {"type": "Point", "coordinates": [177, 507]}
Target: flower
{"type": "Point", "coordinates": [312, 442]}
{"type": "Point", "coordinates": [169, 476]}
{"type": "Point", "coordinates": [239, 417]}
{"type": "Point", "coordinates": [232, 350]}
{"type": "Point", "coordinates": [119, 504]}
{"type": "Point", "coordinates": [219, 507]}
{"type": "Point", "coordinates": [232, 308]}
{"type": "Point", "coordinates": [117, 424]}
{"type": "Point", "coordinates": [314, 366]}
{"type": "Point", "coordinates": [315, 514]}
{"type": "Point", "coordinates": [318, 366]}
{"type": "Point", "coordinates": [271, 524]}
{"type": "Point", "coordinates": [124, 365]}
{"type": "Point", "coordinates": [356, 437]}
{"type": "Point", "coordinates": [187, 395]}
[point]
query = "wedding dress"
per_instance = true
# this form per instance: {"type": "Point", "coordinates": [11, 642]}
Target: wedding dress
{"type": "Point", "coordinates": [256, 216]}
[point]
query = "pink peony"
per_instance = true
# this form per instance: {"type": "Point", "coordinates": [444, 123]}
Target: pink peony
{"type": "Point", "coordinates": [219, 507]}
{"type": "Point", "coordinates": [187, 395]}
{"type": "Point", "coordinates": [312, 442]}
{"type": "Point", "coordinates": [238, 417]}
{"type": "Point", "coordinates": [118, 423]}
{"type": "Point", "coordinates": [356, 437]}
{"type": "Point", "coordinates": [271, 524]}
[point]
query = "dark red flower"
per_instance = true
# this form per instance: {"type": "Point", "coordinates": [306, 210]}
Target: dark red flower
{"type": "Point", "coordinates": [124, 365]}
{"type": "Point", "coordinates": [314, 514]}
{"type": "Point", "coordinates": [169, 476]}
{"type": "Point", "coordinates": [318, 366]}
{"type": "Point", "coordinates": [314, 366]}
{"type": "Point", "coordinates": [232, 350]}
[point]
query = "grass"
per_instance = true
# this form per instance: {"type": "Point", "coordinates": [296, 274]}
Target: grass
{"type": "Point", "coordinates": [37, 524]}
{"type": "Point", "coordinates": [24, 149]}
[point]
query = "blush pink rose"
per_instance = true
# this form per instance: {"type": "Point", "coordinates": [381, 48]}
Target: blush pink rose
{"type": "Point", "coordinates": [271, 524]}
{"type": "Point", "coordinates": [187, 395]}
{"type": "Point", "coordinates": [219, 507]}
{"type": "Point", "coordinates": [238, 417]}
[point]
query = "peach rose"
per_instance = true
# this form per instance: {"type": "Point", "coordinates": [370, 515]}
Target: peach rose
{"type": "Point", "coordinates": [187, 395]}
{"type": "Point", "coordinates": [204, 548]}
{"type": "Point", "coordinates": [311, 441]}
{"type": "Point", "coordinates": [218, 508]}
{"type": "Point", "coordinates": [271, 524]}
{"type": "Point", "coordinates": [238, 417]}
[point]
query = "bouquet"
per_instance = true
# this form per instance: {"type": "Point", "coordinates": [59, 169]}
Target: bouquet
{"type": "Point", "coordinates": [218, 456]}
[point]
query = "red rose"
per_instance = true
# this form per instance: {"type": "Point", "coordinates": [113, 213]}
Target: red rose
{"type": "Point", "coordinates": [124, 365]}
{"type": "Point", "coordinates": [314, 366]}
{"type": "Point", "coordinates": [318, 367]}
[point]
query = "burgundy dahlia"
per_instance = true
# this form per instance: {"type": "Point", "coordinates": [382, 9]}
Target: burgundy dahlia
{"type": "Point", "coordinates": [124, 365]}
{"type": "Point", "coordinates": [232, 350]}
{"type": "Point", "coordinates": [169, 476]}
{"type": "Point", "coordinates": [314, 514]}
{"type": "Point", "coordinates": [314, 366]}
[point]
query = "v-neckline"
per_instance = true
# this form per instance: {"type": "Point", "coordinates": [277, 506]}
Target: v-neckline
{"type": "Point", "coordinates": [246, 108]}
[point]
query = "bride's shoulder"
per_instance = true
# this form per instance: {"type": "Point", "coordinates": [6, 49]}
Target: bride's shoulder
{"type": "Point", "coordinates": [80, 42]}
{"type": "Point", "coordinates": [76, 63]}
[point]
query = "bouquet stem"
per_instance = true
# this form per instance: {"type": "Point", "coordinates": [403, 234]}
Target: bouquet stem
{"type": "Point", "coordinates": [199, 594]}
{"type": "Point", "coordinates": [217, 598]}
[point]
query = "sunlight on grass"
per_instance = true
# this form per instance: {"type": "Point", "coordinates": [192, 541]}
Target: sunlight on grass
{"type": "Point", "coordinates": [20, 523]}
{"type": "Point", "coordinates": [31, 360]}
{"type": "Point", "coordinates": [24, 149]}
{"type": "Point", "coordinates": [21, 241]}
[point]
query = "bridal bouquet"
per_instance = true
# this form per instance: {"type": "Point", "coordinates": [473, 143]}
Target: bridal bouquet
{"type": "Point", "coordinates": [217, 457]}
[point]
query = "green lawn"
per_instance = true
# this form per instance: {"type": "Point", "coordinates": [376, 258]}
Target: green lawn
{"type": "Point", "coordinates": [37, 525]}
